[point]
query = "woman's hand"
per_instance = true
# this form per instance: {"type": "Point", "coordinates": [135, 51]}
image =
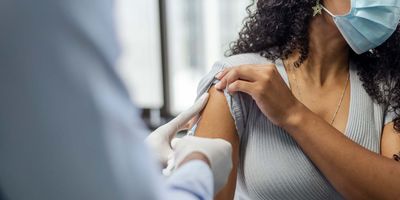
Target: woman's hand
{"type": "Point", "coordinates": [266, 86]}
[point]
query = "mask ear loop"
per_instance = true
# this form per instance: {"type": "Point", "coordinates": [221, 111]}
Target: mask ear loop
{"type": "Point", "coordinates": [326, 10]}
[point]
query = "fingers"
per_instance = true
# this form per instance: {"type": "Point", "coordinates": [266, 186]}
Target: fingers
{"type": "Point", "coordinates": [240, 86]}
{"type": "Point", "coordinates": [186, 116]}
{"type": "Point", "coordinates": [221, 73]}
{"type": "Point", "coordinates": [228, 76]}
{"type": "Point", "coordinates": [175, 142]}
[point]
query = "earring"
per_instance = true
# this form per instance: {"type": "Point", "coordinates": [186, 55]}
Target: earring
{"type": "Point", "coordinates": [317, 9]}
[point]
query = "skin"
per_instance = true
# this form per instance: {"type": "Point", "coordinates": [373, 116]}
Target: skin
{"type": "Point", "coordinates": [195, 156]}
{"type": "Point", "coordinates": [361, 174]}
{"type": "Point", "coordinates": [216, 119]}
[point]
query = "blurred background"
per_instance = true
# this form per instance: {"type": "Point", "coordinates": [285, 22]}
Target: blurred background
{"type": "Point", "coordinates": [168, 45]}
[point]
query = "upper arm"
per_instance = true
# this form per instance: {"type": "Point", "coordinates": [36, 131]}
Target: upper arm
{"type": "Point", "coordinates": [217, 122]}
{"type": "Point", "coordinates": [390, 141]}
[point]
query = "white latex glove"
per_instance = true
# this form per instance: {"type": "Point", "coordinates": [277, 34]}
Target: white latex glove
{"type": "Point", "coordinates": [218, 152]}
{"type": "Point", "coordinates": [159, 141]}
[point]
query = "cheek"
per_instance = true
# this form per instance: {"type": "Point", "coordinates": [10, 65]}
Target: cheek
{"type": "Point", "coordinates": [338, 7]}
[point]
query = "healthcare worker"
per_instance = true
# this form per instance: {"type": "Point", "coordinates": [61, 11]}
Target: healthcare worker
{"type": "Point", "coordinates": [67, 127]}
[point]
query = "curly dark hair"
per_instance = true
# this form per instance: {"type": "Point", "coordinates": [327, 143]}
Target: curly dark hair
{"type": "Point", "coordinates": [276, 28]}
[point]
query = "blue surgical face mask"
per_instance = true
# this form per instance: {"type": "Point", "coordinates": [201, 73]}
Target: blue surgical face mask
{"type": "Point", "coordinates": [369, 23]}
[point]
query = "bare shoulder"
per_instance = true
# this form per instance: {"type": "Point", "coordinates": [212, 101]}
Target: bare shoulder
{"type": "Point", "coordinates": [216, 119]}
{"type": "Point", "coordinates": [217, 122]}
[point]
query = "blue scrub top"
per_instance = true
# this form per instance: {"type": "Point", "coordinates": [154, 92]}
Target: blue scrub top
{"type": "Point", "coordinates": [68, 129]}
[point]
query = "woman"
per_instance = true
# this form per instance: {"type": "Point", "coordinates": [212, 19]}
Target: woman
{"type": "Point", "coordinates": [310, 111]}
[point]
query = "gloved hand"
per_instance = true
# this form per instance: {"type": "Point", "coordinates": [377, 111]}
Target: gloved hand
{"type": "Point", "coordinates": [218, 152]}
{"type": "Point", "coordinates": [159, 141]}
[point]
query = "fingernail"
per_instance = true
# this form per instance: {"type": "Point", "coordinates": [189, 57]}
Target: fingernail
{"type": "Point", "coordinates": [218, 76]}
{"type": "Point", "coordinates": [218, 85]}
{"type": "Point", "coordinates": [229, 88]}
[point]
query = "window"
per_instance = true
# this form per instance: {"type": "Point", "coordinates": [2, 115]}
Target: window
{"type": "Point", "coordinates": [138, 28]}
{"type": "Point", "coordinates": [199, 32]}
{"type": "Point", "coordinates": [195, 34]}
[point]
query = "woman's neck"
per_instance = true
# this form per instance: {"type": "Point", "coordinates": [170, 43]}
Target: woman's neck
{"type": "Point", "coordinates": [328, 56]}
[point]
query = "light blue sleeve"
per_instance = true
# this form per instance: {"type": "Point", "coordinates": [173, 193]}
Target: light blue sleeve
{"type": "Point", "coordinates": [67, 127]}
{"type": "Point", "coordinates": [194, 180]}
